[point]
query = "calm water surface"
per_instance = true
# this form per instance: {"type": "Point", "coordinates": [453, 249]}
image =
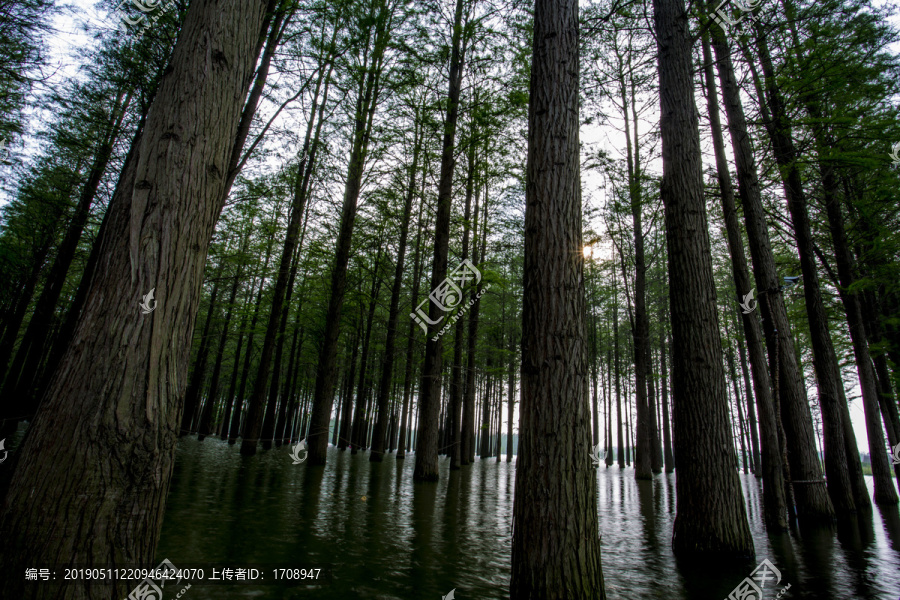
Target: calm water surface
{"type": "Point", "coordinates": [388, 538]}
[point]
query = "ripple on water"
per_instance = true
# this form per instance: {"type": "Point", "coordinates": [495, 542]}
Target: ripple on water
{"type": "Point", "coordinates": [388, 538]}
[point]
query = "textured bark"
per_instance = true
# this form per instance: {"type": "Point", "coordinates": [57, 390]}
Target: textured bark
{"type": "Point", "coordinates": [430, 387]}
{"type": "Point", "coordinates": [710, 514]}
{"type": "Point", "coordinates": [789, 399]}
{"type": "Point", "coordinates": [555, 544]}
{"type": "Point", "coordinates": [774, 504]}
{"type": "Point", "coordinates": [107, 427]}
{"type": "Point", "coordinates": [367, 101]}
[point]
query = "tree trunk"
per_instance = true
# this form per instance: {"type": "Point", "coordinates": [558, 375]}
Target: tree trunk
{"type": "Point", "coordinates": [426, 468]}
{"type": "Point", "coordinates": [189, 420]}
{"type": "Point", "coordinates": [774, 504]}
{"type": "Point", "coordinates": [206, 417]}
{"type": "Point", "coordinates": [235, 429]}
{"type": "Point", "coordinates": [384, 385]}
{"type": "Point", "coordinates": [367, 101]}
{"type": "Point", "coordinates": [710, 515]}
{"type": "Point", "coordinates": [457, 381]}
{"type": "Point", "coordinates": [555, 483]}
{"type": "Point", "coordinates": [344, 438]}
{"type": "Point", "coordinates": [789, 398]}
{"type": "Point", "coordinates": [828, 377]}
{"type": "Point", "coordinates": [115, 399]}
{"type": "Point", "coordinates": [664, 384]}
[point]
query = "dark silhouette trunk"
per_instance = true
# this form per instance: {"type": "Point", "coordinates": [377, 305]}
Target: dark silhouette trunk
{"type": "Point", "coordinates": [426, 468]}
{"type": "Point", "coordinates": [772, 472]}
{"type": "Point", "coordinates": [367, 101]}
{"type": "Point", "coordinates": [189, 420]}
{"type": "Point", "coordinates": [711, 519]}
{"type": "Point", "coordinates": [555, 483]}
{"type": "Point", "coordinates": [388, 368]}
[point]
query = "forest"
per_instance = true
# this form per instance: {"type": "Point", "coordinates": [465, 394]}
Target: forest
{"type": "Point", "coordinates": [528, 300]}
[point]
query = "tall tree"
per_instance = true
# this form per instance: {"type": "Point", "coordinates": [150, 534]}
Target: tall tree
{"type": "Point", "coordinates": [710, 513]}
{"type": "Point", "coordinates": [555, 483]}
{"type": "Point", "coordinates": [113, 407]}
{"type": "Point", "coordinates": [376, 26]}
{"type": "Point", "coordinates": [430, 387]}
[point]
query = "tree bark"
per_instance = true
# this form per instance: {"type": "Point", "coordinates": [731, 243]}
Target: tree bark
{"type": "Point", "coordinates": [789, 398]}
{"type": "Point", "coordinates": [828, 377]}
{"type": "Point", "coordinates": [555, 544]}
{"type": "Point", "coordinates": [113, 407]}
{"type": "Point", "coordinates": [710, 515]}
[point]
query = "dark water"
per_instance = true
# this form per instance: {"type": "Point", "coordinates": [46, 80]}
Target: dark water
{"type": "Point", "coordinates": [388, 538]}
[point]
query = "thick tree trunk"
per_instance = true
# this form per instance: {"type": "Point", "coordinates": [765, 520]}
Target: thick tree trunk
{"type": "Point", "coordinates": [555, 544]}
{"type": "Point", "coordinates": [711, 518]}
{"type": "Point", "coordinates": [113, 408]}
